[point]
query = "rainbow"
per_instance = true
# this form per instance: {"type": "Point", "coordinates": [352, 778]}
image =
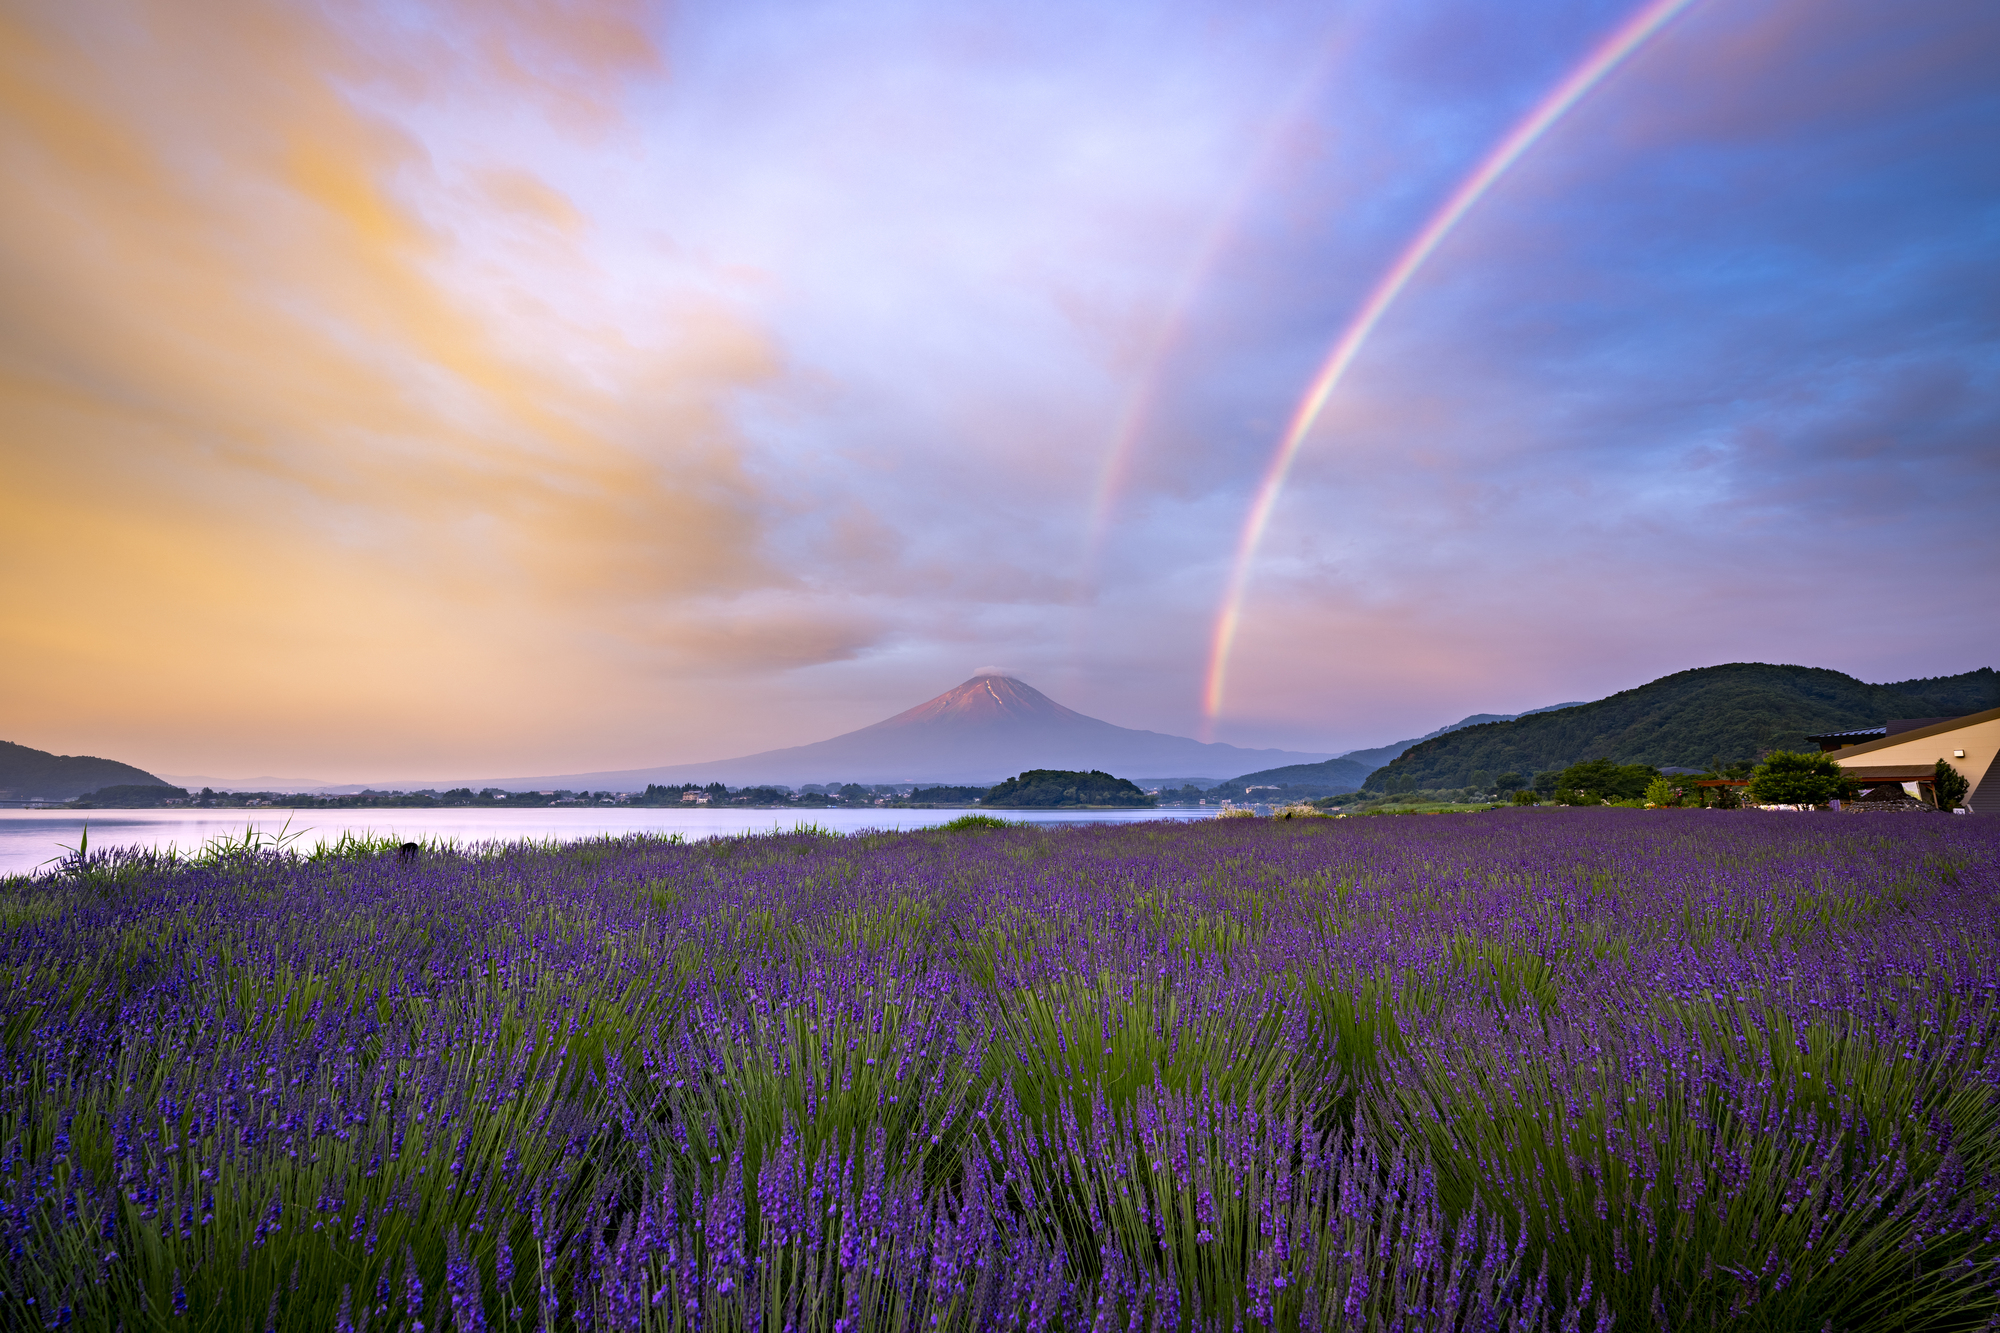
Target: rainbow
{"type": "Point", "coordinates": [1140, 402]}
{"type": "Point", "coordinates": [1609, 54]}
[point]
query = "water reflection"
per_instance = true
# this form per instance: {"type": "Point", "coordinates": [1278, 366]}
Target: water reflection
{"type": "Point", "coordinates": [29, 838]}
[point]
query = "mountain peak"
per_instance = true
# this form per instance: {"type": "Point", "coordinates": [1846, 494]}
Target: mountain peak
{"type": "Point", "coordinates": [989, 727]}
{"type": "Point", "coordinates": [988, 699]}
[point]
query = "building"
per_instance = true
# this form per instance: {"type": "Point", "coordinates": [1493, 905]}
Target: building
{"type": "Point", "coordinates": [1905, 752]}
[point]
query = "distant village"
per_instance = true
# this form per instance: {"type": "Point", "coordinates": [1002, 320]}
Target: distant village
{"type": "Point", "coordinates": [812, 795]}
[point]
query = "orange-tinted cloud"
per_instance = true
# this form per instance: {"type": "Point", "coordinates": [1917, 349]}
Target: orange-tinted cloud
{"type": "Point", "coordinates": [531, 386]}
{"type": "Point", "coordinates": [525, 193]}
{"type": "Point", "coordinates": [269, 465]}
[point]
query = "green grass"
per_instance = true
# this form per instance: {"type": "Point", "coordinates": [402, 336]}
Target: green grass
{"type": "Point", "coordinates": [975, 823]}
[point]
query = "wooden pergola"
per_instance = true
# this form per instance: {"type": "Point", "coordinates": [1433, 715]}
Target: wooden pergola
{"type": "Point", "coordinates": [1864, 778]}
{"type": "Point", "coordinates": [1896, 776]}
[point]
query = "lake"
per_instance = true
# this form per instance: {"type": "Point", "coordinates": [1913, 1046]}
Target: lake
{"type": "Point", "coordinates": [29, 838]}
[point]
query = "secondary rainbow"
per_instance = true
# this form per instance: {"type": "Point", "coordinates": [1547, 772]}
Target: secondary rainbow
{"type": "Point", "coordinates": [1144, 394]}
{"type": "Point", "coordinates": [1609, 54]}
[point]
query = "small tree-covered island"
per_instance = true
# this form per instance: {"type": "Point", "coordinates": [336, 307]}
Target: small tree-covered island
{"type": "Point", "coordinates": [1056, 789]}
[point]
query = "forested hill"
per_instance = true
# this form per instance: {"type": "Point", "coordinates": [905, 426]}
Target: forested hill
{"type": "Point", "coordinates": [27, 774]}
{"type": "Point", "coordinates": [1326, 778]}
{"type": "Point", "coordinates": [1739, 711]}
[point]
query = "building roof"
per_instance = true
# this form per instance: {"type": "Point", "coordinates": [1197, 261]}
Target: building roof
{"type": "Point", "coordinates": [1853, 737]}
{"type": "Point", "coordinates": [1849, 755]}
{"type": "Point", "coordinates": [1970, 744]}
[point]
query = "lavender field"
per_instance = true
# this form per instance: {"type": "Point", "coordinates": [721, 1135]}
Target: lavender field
{"type": "Point", "coordinates": [1518, 1070]}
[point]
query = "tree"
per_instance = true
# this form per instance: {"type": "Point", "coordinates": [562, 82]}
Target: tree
{"type": "Point", "coordinates": [947, 795]}
{"type": "Point", "coordinates": [1601, 778]}
{"type": "Point", "coordinates": [1950, 786]}
{"type": "Point", "coordinates": [1790, 778]}
{"type": "Point", "coordinates": [1062, 787]}
{"type": "Point", "coordinates": [1660, 792]}
{"type": "Point", "coordinates": [134, 796]}
{"type": "Point", "coordinates": [1509, 782]}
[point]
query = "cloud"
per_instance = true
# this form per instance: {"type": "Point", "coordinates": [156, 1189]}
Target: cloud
{"type": "Point", "coordinates": [780, 630]}
{"type": "Point", "coordinates": [232, 344]}
{"type": "Point", "coordinates": [525, 193]}
{"type": "Point", "coordinates": [543, 386]}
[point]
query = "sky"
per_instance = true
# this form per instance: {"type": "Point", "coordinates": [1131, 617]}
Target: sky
{"type": "Point", "coordinates": [538, 386]}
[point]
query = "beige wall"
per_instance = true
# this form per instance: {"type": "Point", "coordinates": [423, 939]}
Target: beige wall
{"type": "Point", "coordinates": [1980, 741]}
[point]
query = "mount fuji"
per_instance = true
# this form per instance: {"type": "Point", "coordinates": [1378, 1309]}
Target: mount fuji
{"type": "Point", "coordinates": [991, 727]}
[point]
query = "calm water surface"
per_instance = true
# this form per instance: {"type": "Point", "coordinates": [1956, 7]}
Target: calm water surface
{"type": "Point", "coordinates": [29, 838]}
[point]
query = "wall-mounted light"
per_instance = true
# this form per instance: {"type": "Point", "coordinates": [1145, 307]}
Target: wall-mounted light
{"type": "Point", "coordinates": [1958, 754]}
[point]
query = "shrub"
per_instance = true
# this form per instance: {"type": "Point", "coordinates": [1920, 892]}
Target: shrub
{"type": "Point", "coordinates": [1788, 778]}
{"type": "Point", "coordinates": [975, 823]}
{"type": "Point", "coordinates": [1660, 792]}
{"type": "Point", "coordinates": [1950, 786]}
{"type": "Point", "coordinates": [1524, 798]}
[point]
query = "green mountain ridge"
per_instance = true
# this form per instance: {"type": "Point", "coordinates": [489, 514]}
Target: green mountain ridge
{"type": "Point", "coordinates": [1742, 710]}
{"type": "Point", "coordinates": [1327, 778]}
{"type": "Point", "coordinates": [1379, 755]}
{"type": "Point", "coordinates": [1347, 772]}
{"type": "Point", "coordinates": [28, 774]}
